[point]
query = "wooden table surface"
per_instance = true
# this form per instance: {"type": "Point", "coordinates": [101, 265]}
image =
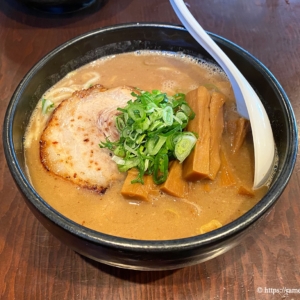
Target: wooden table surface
{"type": "Point", "coordinates": [266, 265]}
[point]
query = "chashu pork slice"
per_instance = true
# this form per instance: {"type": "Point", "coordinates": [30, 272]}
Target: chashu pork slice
{"type": "Point", "coordinates": [69, 145]}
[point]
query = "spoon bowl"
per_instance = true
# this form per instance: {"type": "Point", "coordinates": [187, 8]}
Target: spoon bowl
{"type": "Point", "coordinates": [248, 103]}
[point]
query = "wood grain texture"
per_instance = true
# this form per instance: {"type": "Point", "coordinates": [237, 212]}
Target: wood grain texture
{"type": "Point", "coordinates": [34, 265]}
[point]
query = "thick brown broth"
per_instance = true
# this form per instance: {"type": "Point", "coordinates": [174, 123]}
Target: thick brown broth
{"type": "Point", "coordinates": [164, 217]}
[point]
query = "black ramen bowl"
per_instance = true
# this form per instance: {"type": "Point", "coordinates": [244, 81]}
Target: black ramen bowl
{"type": "Point", "coordinates": [129, 253]}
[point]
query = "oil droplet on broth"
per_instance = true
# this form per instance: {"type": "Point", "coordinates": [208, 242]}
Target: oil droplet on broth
{"type": "Point", "coordinates": [169, 85]}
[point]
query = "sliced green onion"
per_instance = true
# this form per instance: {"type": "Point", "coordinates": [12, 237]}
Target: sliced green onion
{"type": "Point", "coordinates": [145, 124]}
{"type": "Point", "coordinates": [130, 149]}
{"type": "Point", "coordinates": [156, 124]}
{"type": "Point", "coordinates": [154, 144]}
{"type": "Point", "coordinates": [184, 145]}
{"type": "Point", "coordinates": [168, 115]}
{"type": "Point", "coordinates": [160, 172]}
{"type": "Point", "coordinates": [182, 116]}
{"type": "Point", "coordinates": [118, 160]}
{"type": "Point", "coordinates": [178, 120]}
{"type": "Point", "coordinates": [120, 124]}
{"type": "Point", "coordinates": [129, 164]}
{"type": "Point", "coordinates": [141, 139]}
{"type": "Point", "coordinates": [187, 111]}
{"type": "Point", "coordinates": [151, 107]}
{"type": "Point", "coordinates": [120, 151]}
{"type": "Point", "coordinates": [156, 115]}
{"type": "Point", "coordinates": [136, 112]}
{"type": "Point", "coordinates": [47, 106]}
{"type": "Point", "coordinates": [126, 132]}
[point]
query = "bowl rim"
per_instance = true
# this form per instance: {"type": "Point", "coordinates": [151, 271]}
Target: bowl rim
{"type": "Point", "coordinates": [150, 245]}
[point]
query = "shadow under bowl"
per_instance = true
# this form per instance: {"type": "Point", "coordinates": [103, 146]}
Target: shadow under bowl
{"type": "Point", "coordinates": [129, 253]}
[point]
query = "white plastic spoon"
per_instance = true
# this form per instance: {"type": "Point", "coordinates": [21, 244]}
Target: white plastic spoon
{"type": "Point", "coordinates": [248, 103]}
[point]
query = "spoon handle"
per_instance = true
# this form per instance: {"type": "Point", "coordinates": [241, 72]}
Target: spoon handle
{"type": "Point", "coordinates": [200, 35]}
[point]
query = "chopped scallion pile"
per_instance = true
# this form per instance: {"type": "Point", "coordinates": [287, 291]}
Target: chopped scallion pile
{"type": "Point", "coordinates": [152, 133]}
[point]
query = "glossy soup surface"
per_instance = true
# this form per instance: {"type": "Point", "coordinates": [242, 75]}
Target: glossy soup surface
{"type": "Point", "coordinates": [163, 217]}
